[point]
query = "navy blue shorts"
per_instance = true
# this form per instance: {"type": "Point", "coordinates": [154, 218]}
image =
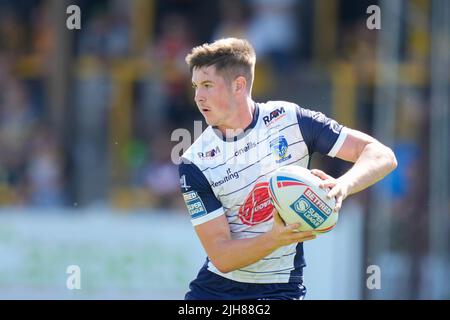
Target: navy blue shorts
{"type": "Point", "coordinates": [211, 286]}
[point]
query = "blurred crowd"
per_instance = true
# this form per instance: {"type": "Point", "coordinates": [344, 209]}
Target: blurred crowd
{"type": "Point", "coordinates": [31, 155]}
{"type": "Point", "coordinates": [126, 96]}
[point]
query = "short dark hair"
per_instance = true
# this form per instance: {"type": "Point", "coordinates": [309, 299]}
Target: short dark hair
{"type": "Point", "coordinates": [232, 57]}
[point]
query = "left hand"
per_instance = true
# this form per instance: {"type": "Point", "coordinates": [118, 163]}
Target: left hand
{"type": "Point", "coordinates": [339, 190]}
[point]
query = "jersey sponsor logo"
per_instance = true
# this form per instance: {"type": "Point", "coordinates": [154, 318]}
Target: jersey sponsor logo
{"type": "Point", "coordinates": [274, 116]}
{"type": "Point", "coordinates": [183, 183]}
{"type": "Point", "coordinates": [230, 176]}
{"type": "Point", "coordinates": [194, 204]}
{"type": "Point", "coordinates": [211, 154]}
{"type": "Point", "coordinates": [257, 207]}
{"type": "Point", "coordinates": [279, 147]}
{"type": "Point", "coordinates": [247, 147]}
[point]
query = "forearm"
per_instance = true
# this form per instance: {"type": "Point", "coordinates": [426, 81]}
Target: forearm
{"type": "Point", "coordinates": [374, 163]}
{"type": "Point", "coordinates": [232, 254]}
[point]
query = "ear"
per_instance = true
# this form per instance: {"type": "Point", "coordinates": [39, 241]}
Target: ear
{"type": "Point", "coordinates": [240, 84]}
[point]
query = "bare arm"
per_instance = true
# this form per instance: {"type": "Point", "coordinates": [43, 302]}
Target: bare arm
{"type": "Point", "coordinates": [372, 162]}
{"type": "Point", "coordinates": [229, 254]}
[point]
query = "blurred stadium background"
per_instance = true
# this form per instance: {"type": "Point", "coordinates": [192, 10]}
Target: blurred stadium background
{"type": "Point", "coordinates": [86, 117]}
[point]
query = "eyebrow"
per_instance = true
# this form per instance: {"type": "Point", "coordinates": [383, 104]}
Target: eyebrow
{"type": "Point", "coordinates": [203, 82]}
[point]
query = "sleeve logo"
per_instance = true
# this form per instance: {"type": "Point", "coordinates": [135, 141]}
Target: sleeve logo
{"type": "Point", "coordinates": [194, 204]}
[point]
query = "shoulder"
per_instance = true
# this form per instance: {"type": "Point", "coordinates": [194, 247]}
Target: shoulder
{"type": "Point", "coordinates": [274, 111]}
{"type": "Point", "coordinates": [277, 105]}
{"type": "Point", "coordinates": [320, 133]}
{"type": "Point", "coordinates": [315, 120]}
{"type": "Point", "coordinates": [206, 145]}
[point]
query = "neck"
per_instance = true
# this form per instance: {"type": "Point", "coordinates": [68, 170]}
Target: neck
{"type": "Point", "coordinates": [242, 118]}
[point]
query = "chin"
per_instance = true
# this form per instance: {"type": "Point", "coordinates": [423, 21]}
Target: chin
{"type": "Point", "coordinates": [210, 122]}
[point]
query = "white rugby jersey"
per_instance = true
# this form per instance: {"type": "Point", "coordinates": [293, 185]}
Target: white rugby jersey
{"type": "Point", "coordinates": [231, 177]}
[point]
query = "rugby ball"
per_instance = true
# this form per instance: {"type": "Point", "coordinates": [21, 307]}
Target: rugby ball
{"type": "Point", "coordinates": [295, 193]}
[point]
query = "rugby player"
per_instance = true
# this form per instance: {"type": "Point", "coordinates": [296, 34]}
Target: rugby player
{"type": "Point", "coordinates": [251, 253]}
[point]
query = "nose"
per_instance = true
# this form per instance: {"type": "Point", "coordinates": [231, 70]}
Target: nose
{"type": "Point", "coordinates": [199, 97]}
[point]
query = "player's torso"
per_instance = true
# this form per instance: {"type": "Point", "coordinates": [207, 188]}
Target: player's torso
{"type": "Point", "coordinates": [238, 174]}
{"type": "Point", "coordinates": [239, 171]}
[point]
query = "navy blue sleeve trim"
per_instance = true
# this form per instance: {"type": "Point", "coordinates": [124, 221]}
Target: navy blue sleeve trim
{"type": "Point", "coordinates": [192, 179]}
{"type": "Point", "coordinates": [319, 132]}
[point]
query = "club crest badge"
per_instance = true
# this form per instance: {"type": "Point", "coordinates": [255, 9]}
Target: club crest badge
{"type": "Point", "coordinates": [279, 147]}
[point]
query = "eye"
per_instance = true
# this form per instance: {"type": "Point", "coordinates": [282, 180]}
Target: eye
{"type": "Point", "coordinates": [208, 85]}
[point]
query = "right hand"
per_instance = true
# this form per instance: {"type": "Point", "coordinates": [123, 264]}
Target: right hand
{"type": "Point", "coordinates": [287, 234]}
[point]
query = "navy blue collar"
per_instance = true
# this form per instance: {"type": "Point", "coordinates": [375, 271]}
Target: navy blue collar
{"type": "Point", "coordinates": [246, 130]}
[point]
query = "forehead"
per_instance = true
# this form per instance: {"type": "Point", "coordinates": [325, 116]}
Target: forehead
{"type": "Point", "coordinates": [208, 73]}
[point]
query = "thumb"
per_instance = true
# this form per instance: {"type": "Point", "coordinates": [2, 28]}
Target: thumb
{"type": "Point", "coordinates": [276, 217]}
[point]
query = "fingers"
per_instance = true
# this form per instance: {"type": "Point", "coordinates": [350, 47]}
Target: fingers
{"type": "Point", "coordinates": [309, 238]}
{"type": "Point", "coordinates": [305, 236]}
{"type": "Point", "coordinates": [293, 227]}
{"type": "Point", "coordinates": [302, 235]}
{"type": "Point", "coordinates": [334, 192]}
{"type": "Point", "coordinates": [319, 173]}
{"type": "Point", "coordinates": [327, 180]}
{"type": "Point", "coordinates": [327, 184]}
{"type": "Point", "coordinates": [338, 194]}
{"type": "Point", "coordinates": [338, 205]}
{"type": "Point", "coordinates": [291, 231]}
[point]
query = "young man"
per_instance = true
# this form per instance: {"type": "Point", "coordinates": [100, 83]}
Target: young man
{"type": "Point", "coordinates": [252, 254]}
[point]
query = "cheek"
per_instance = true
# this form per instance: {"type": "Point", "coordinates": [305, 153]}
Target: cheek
{"type": "Point", "coordinates": [224, 100]}
{"type": "Point", "coordinates": [222, 105]}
